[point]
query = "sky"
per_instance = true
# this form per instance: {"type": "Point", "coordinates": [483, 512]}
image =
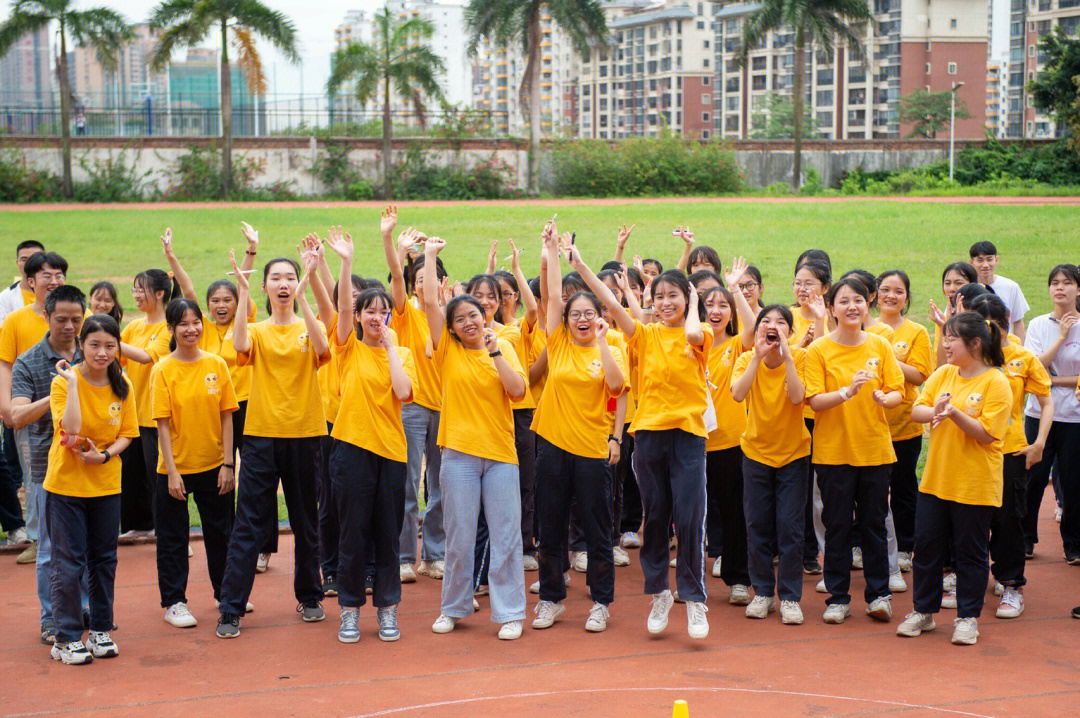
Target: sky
{"type": "Point", "coordinates": [315, 21]}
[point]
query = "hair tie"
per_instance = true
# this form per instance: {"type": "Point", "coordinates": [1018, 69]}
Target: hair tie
{"type": "Point", "coordinates": [987, 322]}
{"type": "Point", "coordinates": [171, 275]}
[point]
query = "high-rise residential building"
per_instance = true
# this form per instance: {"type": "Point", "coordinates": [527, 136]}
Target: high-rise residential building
{"type": "Point", "coordinates": [1041, 18]}
{"type": "Point", "coordinates": [26, 78]}
{"type": "Point", "coordinates": [126, 86]}
{"type": "Point", "coordinates": [195, 97]}
{"type": "Point", "coordinates": [909, 45]}
{"type": "Point", "coordinates": [994, 114]}
{"type": "Point", "coordinates": [358, 26]}
{"type": "Point", "coordinates": [1014, 95]}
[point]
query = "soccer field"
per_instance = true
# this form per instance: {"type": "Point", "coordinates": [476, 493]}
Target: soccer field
{"type": "Point", "coordinates": [918, 237]}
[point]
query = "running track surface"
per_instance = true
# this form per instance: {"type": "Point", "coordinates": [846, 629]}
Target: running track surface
{"type": "Point", "coordinates": [281, 666]}
{"type": "Point", "coordinates": [1022, 201]}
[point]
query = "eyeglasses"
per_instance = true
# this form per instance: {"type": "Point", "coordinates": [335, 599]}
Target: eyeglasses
{"type": "Point", "coordinates": [587, 314]}
{"type": "Point", "coordinates": [748, 287]}
{"type": "Point", "coordinates": [805, 285]}
{"type": "Point", "coordinates": [137, 292]}
{"type": "Point", "coordinates": [509, 294]}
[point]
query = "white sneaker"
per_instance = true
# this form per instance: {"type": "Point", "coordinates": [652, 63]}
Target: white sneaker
{"type": "Point", "coordinates": [965, 631]}
{"type": "Point", "coordinates": [661, 607]}
{"type": "Point", "coordinates": [856, 558]}
{"type": "Point", "coordinates": [880, 608]}
{"type": "Point", "coordinates": [598, 616]}
{"type": "Point", "coordinates": [407, 573]}
{"type": "Point", "coordinates": [836, 613]}
{"type": "Point", "coordinates": [1057, 514]}
{"type": "Point", "coordinates": [535, 588]}
{"type": "Point", "coordinates": [948, 596]}
{"type": "Point", "coordinates": [791, 613]}
{"type": "Point", "coordinates": [621, 557]}
{"type": "Point", "coordinates": [475, 605]}
{"type": "Point", "coordinates": [820, 587]}
{"type": "Point", "coordinates": [761, 607]}
{"type": "Point", "coordinates": [716, 567]}
{"type": "Point", "coordinates": [546, 613]}
{"type": "Point", "coordinates": [529, 563]}
{"type": "Point", "coordinates": [180, 616]}
{"type": "Point", "coordinates": [999, 588]}
{"type": "Point", "coordinates": [18, 537]}
{"type": "Point", "coordinates": [697, 625]}
{"type": "Point", "coordinates": [263, 563]}
{"type": "Point", "coordinates": [630, 539]}
{"type": "Point", "coordinates": [579, 561]}
{"type": "Point", "coordinates": [915, 623]}
{"type": "Point", "coordinates": [739, 595]}
{"type": "Point", "coordinates": [190, 553]}
{"type": "Point", "coordinates": [432, 569]}
{"type": "Point", "coordinates": [1012, 603]}
{"type": "Point", "coordinates": [510, 631]}
{"type": "Point", "coordinates": [74, 653]}
{"type": "Point", "coordinates": [903, 559]}
{"type": "Point", "coordinates": [949, 582]}
{"type": "Point", "coordinates": [444, 624]}
{"type": "Point", "coordinates": [102, 645]}
{"type": "Point", "coordinates": [897, 584]}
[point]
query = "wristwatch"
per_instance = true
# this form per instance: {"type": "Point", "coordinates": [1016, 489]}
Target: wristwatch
{"type": "Point", "coordinates": [617, 440]}
{"type": "Point", "coordinates": [107, 455]}
{"type": "Point", "coordinates": [496, 353]}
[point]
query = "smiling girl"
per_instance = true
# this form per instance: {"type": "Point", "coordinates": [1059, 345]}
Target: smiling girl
{"type": "Point", "coordinates": [955, 276]}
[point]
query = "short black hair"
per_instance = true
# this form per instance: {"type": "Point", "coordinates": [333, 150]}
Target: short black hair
{"type": "Point", "coordinates": [37, 262]}
{"type": "Point", "coordinates": [65, 293]}
{"type": "Point", "coordinates": [982, 249]}
{"type": "Point", "coordinates": [27, 244]}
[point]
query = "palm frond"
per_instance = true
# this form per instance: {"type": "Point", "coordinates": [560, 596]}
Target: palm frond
{"type": "Point", "coordinates": [247, 57]}
{"type": "Point", "coordinates": [101, 28]}
{"type": "Point", "coordinates": [270, 24]}
{"type": "Point", "coordinates": [185, 33]}
{"type": "Point", "coordinates": [170, 11]}
{"type": "Point", "coordinates": [582, 20]}
{"type": "Point", "coordinates": [18, 25]}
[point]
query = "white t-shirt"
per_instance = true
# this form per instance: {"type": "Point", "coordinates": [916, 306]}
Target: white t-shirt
{"type": "Point", "coordinates": [11, 298]}
{"type": "Point", "coordinates": [1012, 295]}
{"type": "Point", "coordinates": [1041, 333]}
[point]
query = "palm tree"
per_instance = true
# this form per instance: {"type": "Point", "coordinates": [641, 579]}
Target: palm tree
{"type": "Point", "coordinates": [394, 57]}
{"type": "Point", "coordinates": [818, 22]}
{"type": "Point", "coordinates": [187, 23]}
{"type": "Point", "coordinates": [100, 28]}
{"type": "Point", "coordinates": [501, 22]}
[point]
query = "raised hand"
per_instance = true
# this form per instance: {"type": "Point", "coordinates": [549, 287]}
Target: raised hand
{"type": "Point", "coordinates": [241, 278]}
{"type": "Point", "coordinates": [693, 298]}
{"type": "Point", "coordinates": [388, 219]}
{"type": "Point", "coordinates": [491, 341]}
{"type": "Point", "coordinates": [782, 342]}
{"type": "Point", "coordinates": [684, 234]}
{"type": "Point", "coordinates": [624, 234]}
{"type": "Point", "coordinates": [166, 242]}
{"type": "Point", "coordinates": [407, 240]}
{"type": "Point", "coordinates": [936, 315]}
{"type": "Point", "coordinates": [600, 330]}
{"type": "Point", "coordinates": [492, 258]}
{"type": "Point", "coordinates": [515, 254]}
{"type": "Point", "coordinates": [761, 344]}
{"type": "Point", "coordinates": [434, 245]}
{"type": "Point", "coordinates": [64, 369]}
{"type": "Point", "coordinates": [808, 338]}
{"type": "Point", "coordinates": [340, 242]}
{"type": "Point", "coordinates": [816, 305]}
{"type": "Point", "coordinates": [734, 273]}
{"type": "Point", "coordinates": [251, 236]}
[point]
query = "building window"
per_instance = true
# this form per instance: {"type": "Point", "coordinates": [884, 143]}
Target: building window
{"type": "Point", "coordinates": [757, 82]}
{"type": "Point", "coordinates": [824, 97]}
{"type": "Point", "coordinates": [705, 99]}
{"type": "Point", "coordinates": [952, 68]}
{"type": "Point", "coordinates": [952, 23]}
{"type": "Point", "coordinates": [704, 134]}
{"type": "Point", "coordinates": [705, 81]}
{"type": "Point", "coordinates": [928, 68]}
{"type": "Point", "coordinates": [704, 116]}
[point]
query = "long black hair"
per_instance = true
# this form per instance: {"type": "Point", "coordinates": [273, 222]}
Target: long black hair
{"type": "Point", "coordinates": [174, 314]}
{"type": "Point", "coordinates": [152, 281]}
{"type": "Point", "coordinates": [732, 327]}
{"type": "Point", "coordinates": [680, 281]}
{"type": "Point", "coordinates": [492, 284]}
{"type": "Point", "coordinates": [452, 307]}
{"type": "Point", "coordinates": [992, 308]}
{"type": "Point", "coordinates": [105, 323]}
{"type": "Point", "coordinates": [969, 326]}
{"type": "Point", "coordinates": [365, 299]}
{"type": "Point", "coordinates": [117, 312]}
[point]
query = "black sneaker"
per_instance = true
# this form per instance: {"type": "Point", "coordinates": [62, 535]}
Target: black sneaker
{"type": "Point", "coordinates": [1076, 612]}
{"type": "Point", "coordinates": [1029, 550]}
{"type": "Point", "coordinates": [228, 626]}
{"type": "Point", "coordinates": [311, 611]}
{"type": "Point", "coordinates": [1072, 557]}
{"type": "Point", "coordinates": [811, 567]}
{"type": "Point", "coordinates": [330, 585]}
{"type": "Point", "coordinates": [48, 632]}
{"type": "Point", "coordinates": [369, 585]}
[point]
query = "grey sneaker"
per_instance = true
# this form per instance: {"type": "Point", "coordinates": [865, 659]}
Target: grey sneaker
{"type": "Point", "coordinates": [311, 611]}
{"type": "Point", "coordinates": [349, 631]}
{"type": "Point", "coordinates": [228, 626]}
{"type": "Point", "coordinates": [102, 645]}
{"type": "Point", "coordinates": [388, 628]}
{"type": "Point", "coordinates": [915, 624]}
{"type": "Point", "coordinates": [739, 595]}
{"type": "Point", "coordinates": [761, 607]}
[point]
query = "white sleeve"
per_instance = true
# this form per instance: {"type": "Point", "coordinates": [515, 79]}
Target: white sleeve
{"type": "Point", "coordinates": [10, 300]}
{"type": "Point", "coordinates": [1033, 339]}
{"type": "Point", "coordinates": [1020, 306]}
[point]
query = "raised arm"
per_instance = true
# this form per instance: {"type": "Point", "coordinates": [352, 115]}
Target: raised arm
{"type": "Point", "coordinates": [316, 335]}
{"type": "Point", "coordinates": [620, 241]}
{"type": "Point", "coordinates": [71, 421]}
{"type": "Point", "coordinates": [313, 246]}
{"type": "Point", "coordinates": [552, 281]}
{"type": "Point", "coordinates": [240, 339]}
{"type": "Point", "coordinates": [387, 222]}
{"type": "Point", "coordinates": [341, 243]}
{"type": "Point", "coordinates": [436, 315]}
{"type": "Point", "coordinates": [252, 238]}
{"type": "Point", "coordinates": [695, 334]}
{"type": "Point", "coordinates": [527, 298]}
{"type": "Point", "coordinates": [742, 309]}
{"type": "Point", "coordinates": [687, 237]}
{"type": "Point", "coordinates": [633, 306]}
{"type": "Point", "coordinates": [492, 258]}
{"type": "Point", "coordinates": [605, 295]}
{"type": "Point", "coordinates": [182, 278]}
{"type": "Point", "coordinates": [612, 373]}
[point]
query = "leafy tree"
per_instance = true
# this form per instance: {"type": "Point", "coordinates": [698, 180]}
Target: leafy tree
{"type": "Point", "coordinates": [779, 123]}
{"type": "Point", "coordinates": [1057, 88]}
{"type": "Point", "coordinates": [187, 23]}
{"type": "Point", "coordinates": [100, 28]}
{"type": "Point", "coordinates": [814, 22]}
{"type": "Point", "coordinates": [928, 112]}
{"type": "Point", "coordinates": [502, 22]}
{"type": "Point", "coordinates": [394, 58]}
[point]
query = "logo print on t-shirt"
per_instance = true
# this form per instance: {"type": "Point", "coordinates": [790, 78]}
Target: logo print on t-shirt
{"type": "Point", "coordinates": [1015, 367]}
{"type": "Point", "coordinates": [302, 340]}
{"type": "Point", "coordinates": [595, 369]}
{"type": "Point", "coordinates": [872, 363]}
{"type": "Point", "coordinates": [114, 413]}
{"type": "Point", "coordinates": [211, 380]}
{"type": "Point", "coordinates": [725, 358]}
{"type": "Point", "coordinates": [900, 349]}
{"type": "Point", "coordinates": [973, 404]}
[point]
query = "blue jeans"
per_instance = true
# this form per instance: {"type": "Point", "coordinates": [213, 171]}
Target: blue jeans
{"type": "Point", "coordinates": [83, 533]}
{"type": "Point", "coordinates": [44, 559]}
{"type": "Point", "coordinates": [421, 426]}
{"type": "Point", "coordinates": [22, 446]}
{"type": "Point", "coordinates": [466, 480]}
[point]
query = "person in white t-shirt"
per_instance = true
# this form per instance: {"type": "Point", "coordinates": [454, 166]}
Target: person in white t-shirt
{"type": "Point", "coordinates": [984, 258]}
{"type": "Point", "coordinates": [19, 294]}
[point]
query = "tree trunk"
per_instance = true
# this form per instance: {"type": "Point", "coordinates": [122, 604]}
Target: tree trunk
{"type": "Point", "coordinates": [533, 72]}
{"type": "Point", "coordinates": [65, 112]}
{"type": "Point", "coordinates": [226, 113]}
{"type": "Point", "coordinates": [387, 137]}
{"type": "Point", "coordinates": [797, 106]}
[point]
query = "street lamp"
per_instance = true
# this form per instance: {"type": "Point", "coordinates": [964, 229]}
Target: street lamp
{"type": "Point", "coordinates": [952, 125]}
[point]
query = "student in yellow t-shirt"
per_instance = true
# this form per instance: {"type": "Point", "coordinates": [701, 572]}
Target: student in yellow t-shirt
{"type": "Point", "coordinates": [669, 430]}
{"type": "Point", "coordinates": [955, 275]}
{"type": "Point", "coordinates": [775, 454]}
{"type": "Point", "coordinates": [573, 428]}
{"type": "Point", "coordinates": [368, 464]}
{"type": "Point", "coordinates": [284, 424]}
{"type": "Point", "coordinates": [93, 408]}
{"type": "Point", "coordinates": [481, 377]}
{"type": "Point", "coordinates": [732, 323]}
{"type": "Point", "coordinates": [1026, 375]}
{"type": "Point", "coordinates": [104, 299]}
{"type": "Point", "coordinates": [851, 379]}
{"type": "Point", "coordinates": [911, 346]}
{"type": "Point", "coordinates": [145, 341]}
{"type": "Point", "coordinates": [192, 400]}
{"type": "Point", "coordinates": [967, 405]}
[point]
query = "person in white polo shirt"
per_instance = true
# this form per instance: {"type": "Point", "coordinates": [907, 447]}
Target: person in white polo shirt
{"type": "Point", "coordinates": [984, 258]}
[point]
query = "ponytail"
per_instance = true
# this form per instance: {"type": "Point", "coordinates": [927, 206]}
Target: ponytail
{"type": "Point", "coordinates": [105, 323]}
{"type": "Point", "coordinates": [970, 326]}
{"type": "Point", "coordinates": [153, 281]}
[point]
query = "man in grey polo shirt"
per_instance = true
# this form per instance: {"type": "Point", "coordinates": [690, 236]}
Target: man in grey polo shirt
{"type": "Point", "coordinates": [31, 384]}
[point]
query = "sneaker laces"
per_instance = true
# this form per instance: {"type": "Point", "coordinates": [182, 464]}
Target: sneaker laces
{"type": "Point", "coordinates": [545, 610]}
{"type": "Point", "coordinates": [350, 620]}
{"type": "Point", "coordinates": [230, 619]}
{"type": "Point", "coordinates": [599, 612]}
{"type": "Point", "coordinates": [1012, 597]}
{"type": "Point", "coordinates": [306, 604]}
{"type": "Point", "coordinates": [387, 617]}
{"type": "Point", "coordinates": [100, 637]}
{"type": "Point", "coordinates": [964, 624]}
{"type": "Point", "coordinates": [695, 611]}
{"type": "Point", "coordinates": [180, 610]}
{"type": "Point", "coordinates": [790, 606]}
{"type": "Point", "coordinates": [660, 605]}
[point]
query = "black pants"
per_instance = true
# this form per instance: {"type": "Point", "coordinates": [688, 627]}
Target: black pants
{"type": "Point", "coordinates": [1006, 526]}
{"type": "Point", "coordinates": [810, 543]}
{"type": "Point", "coordinates": [724, 489]}
{"type": "Point", "coordinates": [774, 501]}
{"type": "Point", "coordinates": [968, 527]}
{"type": "Point", "coordinates": [148, 439]}
{"type": "Point", "coordinates": [239, 418]}
{"type": "Point", "coordinates": [136, 506]}
{"type": "Point", "coordinates": [369, 495]}
{"type": "Point", "coordinates": [630, 519]}
{"type": "Point", "coordinates": [1062, 447]}
{"type": "Point", "coordinates": [11, 513]}
{"type": "Point", "coordinates": [329, 528]}
{"type": "Point", "coordinates": [846, 489]}
{"type": "Point", "coordinates": [264, 459]}
{"type": "Point", "coordinates": [525, 443]}
{"type": "Point", "coordinates": [216, 514]}
{"type": "Point", "coordinates": [903, 490]}
{"type": "Point", "coordinates": [670, 469]}
{"type": "Point", "coordinates": [561, 476]}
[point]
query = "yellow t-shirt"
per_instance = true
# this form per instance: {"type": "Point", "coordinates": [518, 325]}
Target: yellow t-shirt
{"type": "Point", "coordinates": [217, 339]}
{"type": "Point", "coordinates": [21, 330]}
{"type": "Point", "coordinates": [573, 412]}
{"type": "Point", "coordinates": [856, 432]}
{"type": "Point", "coordinates": [192, 396]}
{"type": "Point", "coordinates": [27, 297]}
{"type": "Point", "coordinates": [105, 418]}
{"type": "Point", "coordinates": [285, 401]}
{"type": "Point", "coordinates": [539, 343]}
{"type": "Point", "coordinates": [154, 340]}
{"type": "Point", "coordinates": [617, 340]}
{"type": "Point", "coordinates": [410, 323]}
{"type": "Point", "coordinates": [1026, 375]}
{"type": "Point", "coordinates": [911, 345]}
{"type": "Point", "coordinates": [775, 432]}
{"type": "Point", "coordinates": [370, 412]}
{"type": "Point", "coordinates": [882, 330]}
{"type": "Point", "coordinates": [959, 468]}
{"type": "Point", "coordinates": [517, 335]}
{"type": "Point", "coordinates": [329, 376]}
{"type": "Point", "coordinates": [671, 378]}
{"type": "Point", "coordinates": [476, 417]}
{"type": "Point", "coordinates": [800, 326]}
{"type": "Point", "coordinates": [730, 414]}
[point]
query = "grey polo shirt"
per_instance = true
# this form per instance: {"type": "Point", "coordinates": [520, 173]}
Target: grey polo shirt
{"type": "Point", "coordinates": [31, 378]}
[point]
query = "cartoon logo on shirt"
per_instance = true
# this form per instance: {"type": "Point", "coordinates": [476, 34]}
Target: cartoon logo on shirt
{"type": "Point", "coordinates": [211, 380]}
{"type": "Point", "coordinates": [973, 404]}
{"type": "Point", "coordinates": [688, 351]}
{"type": "Point", "coordinates": [872, 363]}
{"type": "Point", "coordinates": [595, 369]}
{"type": "Point", "coordinates": [725, 358]}
{"type": "Point", "coordinates": [302, 340]}
{"type": "Point", "coordinates": [900, 349]}
{"type": "Point", "coordinates": [1015, 367]}
{"type": "Point", "coordinates": [228, 336]}
{"type": "Point", "coordinates": [114, 413]}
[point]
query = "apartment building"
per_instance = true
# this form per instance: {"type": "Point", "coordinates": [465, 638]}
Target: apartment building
{"type": "Point", "coordinates": [358, 26]}
{"type": "Point", "coordinates": [995, 116]}
{"type": "Point", "coordinates": [26, 72]}
{"type": "Point", "coordinates": [128, 85]}
{"type": "Point", "coordinates": [909, 45]}
{"type": "Point", "coordinates": [1041, 17]}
